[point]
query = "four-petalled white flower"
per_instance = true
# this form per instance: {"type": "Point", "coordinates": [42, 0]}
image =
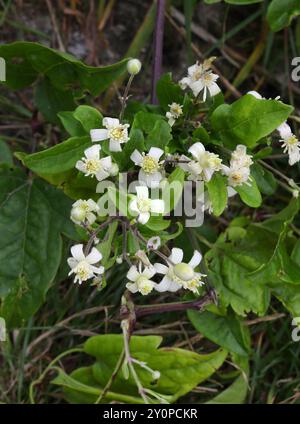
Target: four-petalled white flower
{"type": "Point", "coordinates": [201, 78]}
{"type": "Point", "coordinates": [179, 274]}
{"type": "Point", "coordinates": [150, 166]}
{"type": "Point", "coordinates": [94, 166]}
{"type": "Point", "coordinates": [82, 211]}
{"type": "Point", "coordinates": [203, 165]}
{"type": "Point", "coordinates": [114, 131]}
{"type": "Point", "coordinates": [143, 206]}
{"type": "Point", "coordinates": [174, 113]}
{"type": "Point", "coordinates": [290, 143]}
{"type": "Point", "coordinates": [83, 266]}
{"type": "Point", "coordinates": [141, 280]}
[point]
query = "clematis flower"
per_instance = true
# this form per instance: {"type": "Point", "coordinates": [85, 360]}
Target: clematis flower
{"type": "Point", "coordinates": [290, 143]}
{"type": "Point", "coordinates": [150, 166]}
{"type": "Point", "coordinates": [141, 280]}
{"type": "Point", "coordinates": [116, 132]}
{"type": "Point", "coordinates": [92, 165]}
{"type": "Point", "coordinates": [82, 211]}
{"type": "Point", "coordinates": [179, 274]}
{"type": "Point", "coordinates": [238, 172]}
{"type": "Point", "coordinates": [83, 266]}
{"type": "Point", "coordinates": [143, 206]}
{"type": "Point", "coordinates": [201, 78]}
{"type": "Point", "coordinates": [204, 164]}
{"type": "Point", "coordinates": [174, 113]}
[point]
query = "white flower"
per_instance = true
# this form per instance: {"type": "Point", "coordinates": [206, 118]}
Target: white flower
{"type": "Point", "coordinates": [83, 266]}
{"type": "Point", "coordinates": [92, 165]}
{"type": "Point", "coordinates": [290, 143]}
{"type": "Point", "coordinates": [174, 113]}
{"type": "Point", "coordinates": [179, 274]}
{"type": "Point", "coordinates": [116, 132]}
{"type": "Point", "coordinates": [150, 166]}
{"type": "Point", "coordinates": [134, 66]}
{"type": "Point", "coordinates": [82, 210]}
{"type": "Point", "coordinates": [143, 206]}
{"type": "Point", "coordinates": [201, 78]}
{"type": "Point", "coordinates": [154, 243]}
{"type": "Point", "coordinates": [204, 164]}
{"type": "Point", "coordinates": [141, 280]}
{"type": "Point", "coordinates": [238, 172]}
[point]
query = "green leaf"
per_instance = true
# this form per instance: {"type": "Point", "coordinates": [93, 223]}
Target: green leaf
{"type": "Point", "coordinates": [250, 194]}
{"type": "Point", "coordinates": [226, 331]}
{"type": "Point", "coordinates": [5, 153]}
{"type": "Point", "coordinates": [159, 136]}
{"type": "Point", "coordinates": [234, 394]}
{"type": "Point", "coordinates": [217, 190]}
{"type": "Point", "coordinates": [280, 13]}
{"type": "Point", "coordinates": [70, 124]}
{"type": "Point", "coordinates": [248, 120]}
{"type": "Point", "coordinates": [105, 246]}
{"type": "Point", "coordinates": [32, 217]}
{"type": "Point", "coordinates": [58, 159]}
{"type": "Point", "coordinates": [50, 100]}
{"type": "Point", "coordinates": [168, 92]}
{"type": "Point", "coordinates": [89, 117]}
{"type": "Point", "coordinates": [265, 180]}
{"type": "Point", "coordinates": [171, 194]}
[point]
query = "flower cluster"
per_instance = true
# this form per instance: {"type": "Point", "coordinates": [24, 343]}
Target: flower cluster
{"type": "Point", "coordinates": [238, 172]}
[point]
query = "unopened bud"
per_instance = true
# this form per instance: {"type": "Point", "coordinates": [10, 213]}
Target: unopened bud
{"type": "Point", "coordinates": [134, 66]}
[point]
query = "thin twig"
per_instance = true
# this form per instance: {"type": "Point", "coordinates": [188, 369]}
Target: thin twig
{"type": "Point", "coordinates": [158, 47]}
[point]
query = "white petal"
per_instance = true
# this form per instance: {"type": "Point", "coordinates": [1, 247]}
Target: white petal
{"type": "Point", "coordinates": [176, 255]}
{"type": "Point", "coordinates": [101, 175]}
{"type": "Point", "coordinates": [98, 269]}
{"type": "Point", "coordinates": [157, 206]}
{"type": "Point", "coordinates": [197, 150]}
{"type": "Point", "coordinates": [151, 180]}
{"type": "Point", "coordinates": [115, 146]}
{"type": "Point", "coordinates": [110, 122]}
{"type": "Point", "coordinates": [136, 157]}
{"type": "Point", "coordinates": [156, 153]}
{"type": "Point", "coordinates": [208, 173]}
{"type": "Point", "coordinates": [161, 268]}
{"type": "Point", "coordinates": [93, 152]}
{"type": "Point", "coordinates": [91, 218]}
{"type": "Point", "coordinates": [77, 252]}
{"type": "Point", "coordinates": [94, 257]}
{"type": "Point", "coordinates": [163, 285]}
{"type": "Point", "coordinates": [132, 287]}
{"type": "Point", "coordinates": [149, 271]}
{"type": "Point", "coordinates": [196, 259]}
{"type": "Point", "coordinates": [214, 89]}
{"type": "Point", "coordinates": [81, 166]}
{"type": "Point", "coordinates": [285, 130]}
{"type": "Point", "coordinates": [174, 286]}
{"type": "Point", "coordinates": [106, 162]}
{"type": "Point", "coordinates": [142, 192]}
{"type": "Point", "coordinates": [255, 94]}
{"type": "Point", "coordinates": [231, 191]}
{"type": "Point", "coordinates": [133, 273]}
{"type": "Point", "coordinates": [99, 134]}
{"type": "Point", "coordinates": [72, 264]}
{"type": "Point", "coordinates": [92, 205]}
{"type": "Point", "coordinates": [144, 217]}
{"type": "Point", "coordinates": [133, 206]}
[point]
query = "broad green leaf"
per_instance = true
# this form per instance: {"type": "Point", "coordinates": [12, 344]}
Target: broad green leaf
{"type": "Point", "coordinates": [105, 246]}
{"type": "Point", "coordinates": [159, 136]}
{"type": "Point", "coordinates": [5, 153]}
{"type": "Point", "coordinates": [248, 120]}
{"type": "Point", "coordinates": [171, 193]}
{"type": "Point", "coordinates": [70, 124]}
{"type": "Point", "coordinates": [89, 117]}
{"type": "Point", "coordinates": [249, 193]}
{"type": "Point", "coordinates": [234, 394]}
{"type": "Point", "coordinates": [226, 331]}
{"type": "Point", "coordinates": [217, 189]}
{"type": "Point", "coordinates": [51, 100]}
{"type": "Point", "coordinates": [265, 180]}
{"type": "Point", "coordinates": [25, 61]}
{"type": "Point", "coordinates": [280, 13]}
{"type": "Point", "coordinates": [32, 216]}
{"type": "Point", "coordinates": [58, 159]}
{"type": "Point", "coordinates": [168, 92]}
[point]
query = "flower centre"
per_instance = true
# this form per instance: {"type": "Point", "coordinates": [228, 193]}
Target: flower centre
{"type": "Point", "coordinates": [93, 165]}
{"type": "Point", "coordinates": [145, 286]}
{"type": "Point", "coordinates": [292, 140]}
{"type": "Point", "coordinates": [117, 133]}
{"type": "Point", "coordinates": [236, 177]}
{"type": "Point", "coordinates": [149, 164]}
{"type": "Point", "coordinates": [144, 205]}
{"type": "Point", "coordinates": [176, 110]}
{"type": "Point", "coordinates": [83, 270]}
{"type": "Point", "coordinates": [183, 271]}
{"type": "Point", "coordinates": [211, 160]}
{"type": "Point", "coordinates": [207, 78]}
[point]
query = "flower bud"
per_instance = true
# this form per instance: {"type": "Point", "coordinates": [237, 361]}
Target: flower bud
{"type": "Point", "coordinates": [156, 375]}
{"type": "Point", "coordinates": [78, 214]}
{"type": "Point", "coordinates": [134, 66]}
